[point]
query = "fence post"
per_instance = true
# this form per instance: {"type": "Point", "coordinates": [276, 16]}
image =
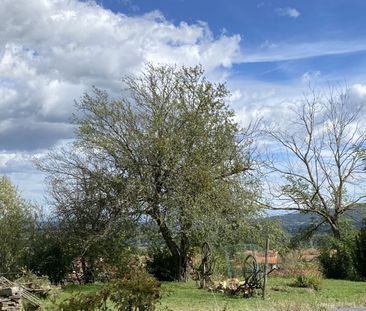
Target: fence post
{"type": "Point", "coordinates": [264, 290]}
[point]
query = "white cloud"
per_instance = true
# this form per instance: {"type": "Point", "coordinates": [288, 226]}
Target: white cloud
{"type": "Point", "coordinates": [235, 96]}
{"type": "Point", "coordinates": [291, 12]}
{"type": "Point", "coordinates": [53, 51]}
{"type": "Point", "coordinates": [357, 96]}
{"type": "Point", "coordinates": [310, 76]}
{"type": "Point", "coordinates": [262, 100]}
{"type": "Point", "coordinates": [282, 51]}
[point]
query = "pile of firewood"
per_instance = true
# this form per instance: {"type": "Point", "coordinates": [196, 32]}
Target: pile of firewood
{"type": "Point", "coordinates": [10, 299]}
{"type": "Point", "coordinates": [234, 287]}
{"type": "Point", "coordinates": [228, 286]}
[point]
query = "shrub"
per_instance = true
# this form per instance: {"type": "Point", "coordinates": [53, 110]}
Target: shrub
{"type": "Point", "coordinates": [138, 291]}
{"type": "Point", "coordinates": [46, 254]}
{"type": "Point", "coordinates": [162, 265]}
{"type": "Point", "coordinates": [33, 281]}
{"type": "Point", "coordinates": [337, 262]}
{"type": "Point", "coordinates": [295, 262]}
{"type": "Point", "coordinates": [310, 279]}
{"type": "Point", "coordinates": [360, 251]}
{"type": "Point", "coordinates": [86, 302]}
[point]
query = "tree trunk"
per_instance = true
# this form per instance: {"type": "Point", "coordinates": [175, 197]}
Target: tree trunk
{"type": "Point", "coordinates": [179, 254]}
{"type": "Point", "coordinates": [183, 258]}
{"type": "Point", "coordinates": [87, 271]}
{"type": "Point", "coordinates": [172, 246]}
{"type": "Point", "coordinates": [335, 228]}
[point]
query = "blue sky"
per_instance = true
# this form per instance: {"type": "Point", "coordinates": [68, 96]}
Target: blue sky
{"type": "Point", "coordinates": [331, 34]}
{"type": "Point", "coordinates": [51, 52]}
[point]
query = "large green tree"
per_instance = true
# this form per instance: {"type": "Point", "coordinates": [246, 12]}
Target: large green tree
{"type": "Point", "coordinates": [17, 225]}
{"type": "Point", "coordinates": [168, 150]}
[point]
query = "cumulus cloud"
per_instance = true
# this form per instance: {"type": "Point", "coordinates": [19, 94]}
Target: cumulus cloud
{"type": "Point", "coordinates": [53, 51]}
{"type": "Point", "coordinates": [357, 96]}
{"type": "Point", "coordinates": [254, 100]}
{"type": "Point", "coordinates": [291, 12]}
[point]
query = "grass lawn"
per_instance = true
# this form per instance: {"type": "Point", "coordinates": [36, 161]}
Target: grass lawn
{"type": "Point", "coordinates": [280, 297]}
{"type": "Point", "coordinates": [186, 297]}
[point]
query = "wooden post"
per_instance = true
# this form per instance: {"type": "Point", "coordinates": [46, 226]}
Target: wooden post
{"type": "Point", "coordinates": [264, 289]}
{"type": "Point", "coordinates": [204, 276]}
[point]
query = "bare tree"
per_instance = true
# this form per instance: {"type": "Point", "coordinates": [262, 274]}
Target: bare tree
{"type": "Point", "coordinates": [320, 158]}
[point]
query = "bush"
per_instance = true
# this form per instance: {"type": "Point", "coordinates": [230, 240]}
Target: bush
{"type": "Point", "coordinates": [337, 262]}
{"type": "Point", "coordinates": [360, 251]}
{"type": "Point", "coordinates": [138, 291]}
{"type": "Point", "coordinates": [46, 254]}
{"type": "Point", "coordinates": [297, 262]}
{"type": "Point", "coordinates": [162, 265]}
{"type": "Point", "coordinates": [33, 281]}
{"type": "Point", "coordinates": [310, 279]}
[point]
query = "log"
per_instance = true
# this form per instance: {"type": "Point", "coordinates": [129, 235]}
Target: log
{"type": "Point", "coordinates": [15, 292]}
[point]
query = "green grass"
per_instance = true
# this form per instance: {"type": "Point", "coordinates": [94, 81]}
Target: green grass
{"type": "Point", "coordinates": [281, 296]}
{"type": "Point", "coordinates": [70, 290]}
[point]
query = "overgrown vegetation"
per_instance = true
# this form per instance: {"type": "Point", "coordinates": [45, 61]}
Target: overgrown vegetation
{"type": "Point", "coordinates": [308, 279]}
{"type": "Point", "coordinates": [17, 226]}
{"type": "Point", "coordinates": [137, 291]}
{"type": "Point", "coordinates": [337, 257]}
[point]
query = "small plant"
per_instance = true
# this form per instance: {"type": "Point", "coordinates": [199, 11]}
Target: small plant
{"type": "Point", "coordinates": [310, 279]}
{"type": "Point", "coordinates": [86, 302]}
{"type": "Point", "coordinates": [137, 291]}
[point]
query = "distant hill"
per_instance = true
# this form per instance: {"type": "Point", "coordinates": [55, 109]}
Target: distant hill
{"type": "Point", "coordinates": [292, 222]}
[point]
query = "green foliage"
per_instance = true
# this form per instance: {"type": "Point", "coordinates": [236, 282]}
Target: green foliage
{"type": "Point", "coordinates": [86, 302]}
{"type": "Point", "coordinates": [169, 150]}
{"type": "Point", "coordinates": [31, 280]}
{"type": "Point", "coordinates": [161, 264]}
{"type": "Point", "coordinates": [296, 262]}
{"type": "Point", "coordinates": [17, 223]}
{"type": "Point", "coordinates": [28, 277]}
{"type": "Point", "coordinates": [308, 279]}
{"type": "Point", "coordinates": [263, 227]}
{"type": "Point", "coordinates": [360, 251]}
{"type": "Point", "coordinates": [185, 296]}
{"type": "Point", "coordinates": [138, 291]}
{"type": "Point", "coordinates": [47, 254]}
{"type": "Point", "coordinates": [337, 259]}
